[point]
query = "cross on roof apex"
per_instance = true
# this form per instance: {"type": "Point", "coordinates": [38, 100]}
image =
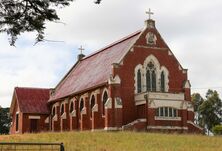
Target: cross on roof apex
{"type": "Point", "coordinates": [81, 49]}
{"type": "Point", "coordinates": [149, 13]}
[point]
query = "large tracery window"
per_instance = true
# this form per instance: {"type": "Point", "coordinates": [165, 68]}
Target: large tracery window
{"type": "Point", "coordinates": [105, 98]}
{"type": "Point", "coordinates": [151, 77]}
{"type": "Point", "coordinates": [139, 81]}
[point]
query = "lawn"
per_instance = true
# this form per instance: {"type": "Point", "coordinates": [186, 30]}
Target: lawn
{"type": "Point", "coordinates": [123, 141]}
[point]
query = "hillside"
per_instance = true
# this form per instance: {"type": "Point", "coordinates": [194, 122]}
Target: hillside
{"type": "Point", "coordinates": [122, 141]}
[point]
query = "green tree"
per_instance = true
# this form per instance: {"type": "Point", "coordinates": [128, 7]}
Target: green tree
{"type": "Point", "coordinates": [210, 110]}
{"type": "Point", "coordinates": [19, 16]}
{"type": "Point", "coordinates": [197, 101]}
{"type": "Point", "coordinates": [5, 121]}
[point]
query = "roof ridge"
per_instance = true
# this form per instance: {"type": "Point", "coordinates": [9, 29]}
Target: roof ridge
{"type": "Point", "coordinates": [113, 44]}
{"type": "Point", "coordinates": [32, 88]}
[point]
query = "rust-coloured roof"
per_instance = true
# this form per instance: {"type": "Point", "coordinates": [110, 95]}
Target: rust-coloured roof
{"type": "Point", "coordinates": [94, 69]}
{"type": "Point", "coordinates": [32, 100]}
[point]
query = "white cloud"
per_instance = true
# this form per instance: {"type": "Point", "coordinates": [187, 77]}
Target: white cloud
{"type": "Point", "coordinates": [192, 29]}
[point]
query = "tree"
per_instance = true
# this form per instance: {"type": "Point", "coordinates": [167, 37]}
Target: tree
{"type": "Point", "coordinates": [217, 130]}
{"type": "Point", "coordinates": [19, 16]}
{"type": "Point", "coordinates": [5, 121]}
{"type": "Point", "coordinates": [211, 110]}
{"type": "Point", "coordinates": [197, 101]}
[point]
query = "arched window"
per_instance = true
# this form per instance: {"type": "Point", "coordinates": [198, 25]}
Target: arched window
{"type": "Point", "coordinates": [81, 105]}
{"type": "Point", "coordinates": [105, 98]}
{"type": "Point", "coordinates": [153, 81]}
{"type": "Point", "coordinates": [62, 109]}
{"type": "Point", "coordinates": [162, 82]}
{"type": "Point", "coordinates": [92, 103]}
{"type": "Point", "coordinates": [139, 82]}
{"type": "Point", "coordinates": [71, 107]}
{"type": "Point", "coordinates": [151, 77]}
{"type": "Point", "coordinates": [53, 111]}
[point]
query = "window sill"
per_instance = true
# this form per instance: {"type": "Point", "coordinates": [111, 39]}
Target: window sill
{"type": "Point", "coordinates": [167, 118]}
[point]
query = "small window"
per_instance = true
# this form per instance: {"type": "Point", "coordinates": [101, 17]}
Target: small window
{"type": "Point", "coordinates": [92, 103]}
{"type": "Point", "coordinates": [166, 111]}
{"type": "Point", "coordinates": [62, 109]}
{"type": "Point", "coordinates": [81, 106]}
{"type": "Point", "coordinates": [71, 107]}
{"type": "Point", "coordinates": [162, 81]}
{"type": "Point", "coordinates": [53, 111]}
{"type": "Point", "coordinates": [170, 112]}
{"type": "Point", "coordinates": [139, 82]}
{"type": "Point", "coordinates": [105, 98]}
{"type": "Point", "coordinates": [161, 111]}
{"type": "Point", "coordinates": [17, 122]}
{"type": "Point", "coordinates": [175, 113]}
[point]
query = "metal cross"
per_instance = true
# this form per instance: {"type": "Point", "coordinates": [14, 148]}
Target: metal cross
{"type": "Point", "coordinates": [149, 13]}
{"type": "Point", "coordinates": [81, 49]}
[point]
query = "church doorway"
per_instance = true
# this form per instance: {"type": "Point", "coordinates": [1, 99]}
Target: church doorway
{"type": "Point", "coordinates": [33, 125]}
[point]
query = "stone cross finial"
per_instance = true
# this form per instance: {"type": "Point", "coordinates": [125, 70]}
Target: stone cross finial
{"type": "Point", "coordinates": [149, 13]}
{"type": "Point", "coordinates": [81, 49]}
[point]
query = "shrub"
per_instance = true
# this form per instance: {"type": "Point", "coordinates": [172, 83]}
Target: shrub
{"type": "Point", "coordinates": [217, 130]}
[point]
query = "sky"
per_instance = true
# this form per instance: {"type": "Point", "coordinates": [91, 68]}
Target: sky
{"type": "Point", "coordinates": [191, 28]}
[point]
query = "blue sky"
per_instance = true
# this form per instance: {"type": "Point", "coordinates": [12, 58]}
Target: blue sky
{"type": "Point", "coordinates": [192, 29]}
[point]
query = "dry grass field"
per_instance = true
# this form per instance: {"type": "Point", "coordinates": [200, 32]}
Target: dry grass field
{"type": "Point", "coordinates": [123, 141]}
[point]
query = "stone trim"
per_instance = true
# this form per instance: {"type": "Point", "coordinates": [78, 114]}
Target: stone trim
{"type": "Point", "coordinates": [63, 116]}
{"type": "Point", "coordinates": [167, 118]}
{"type": "Point", "coordinates": [34, 117]}
{"type": "Point", "coordinates": [134, 122]}
{"type": "Point", "coordinates": [108, 104]}
{"type": "Point", "coordinates": [47, 120]}
{"type": "Point", "coordinates": [73, 114]}
{"type": "Point", "coordinates": [112, 128]}
{"type": "Point", "coordinates": [83, 112]}
{"type": "Point", "coordinates": [55, 118]}
{"type": "Point", "coordinates": [95, 108]}
{"type": "Point", "coordinates": [190, 122]}
{"type": "Point", "coordinates": [114, 80]}
{"type": "Point", "coordinates": [168, 127]}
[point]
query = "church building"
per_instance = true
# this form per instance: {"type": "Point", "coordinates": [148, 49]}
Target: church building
{"type": "Point", "coordinates": [135, 83]}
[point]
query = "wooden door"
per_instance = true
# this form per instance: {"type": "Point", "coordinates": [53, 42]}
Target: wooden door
{"type": "Point", "coordinates": [33, 125]}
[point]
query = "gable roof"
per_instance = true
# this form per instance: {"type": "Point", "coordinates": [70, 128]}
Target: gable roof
{"type": "Point", "coordinates": [93, 70]}
{"type": "Point", "coordinates": [31, 100]}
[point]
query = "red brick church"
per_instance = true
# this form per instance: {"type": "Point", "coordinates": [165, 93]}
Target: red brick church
{"type": "Point", "coordinates": [135, 83]}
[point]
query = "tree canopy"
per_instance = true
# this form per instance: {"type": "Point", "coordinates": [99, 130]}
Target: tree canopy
{"type": "Point", "coordinates": [5, 121]}
{"type": "Point", "coordinates": [208, 111]}
{"type": "Point", "coordinates": [19, 16]}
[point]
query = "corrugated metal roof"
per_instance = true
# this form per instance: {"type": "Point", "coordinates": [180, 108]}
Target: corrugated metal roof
{"type": "Point", "coordinates": [32, 100]}
{"type": "Point", "coordinates": [94, 69]}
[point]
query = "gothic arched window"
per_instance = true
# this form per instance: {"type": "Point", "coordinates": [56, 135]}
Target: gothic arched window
{"type": "Point", "coordinates": [81, 105]}
{"type": "Point", "coordinates": [62, 109]}
{"type": "Point", "coordinates": [151, 77]}
{"type": "Point", "coordinates": [139, 82]}
{"type": "Point", "coordinates": [162, 81]}
{"type": "Point", "coordinates": [92, 103]}
{"type": "Point", "coordinates": [53, 111]}
{"type": "Point", "coordinates": [71, 107]}
{"type": "Point", "coordinates": [105, 98]}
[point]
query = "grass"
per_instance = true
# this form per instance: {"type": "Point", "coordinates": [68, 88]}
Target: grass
{"type": "Point", "coordinates": [123, 141]}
